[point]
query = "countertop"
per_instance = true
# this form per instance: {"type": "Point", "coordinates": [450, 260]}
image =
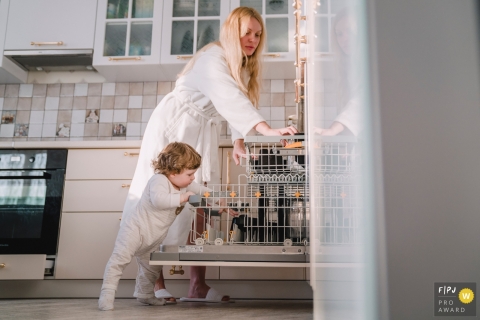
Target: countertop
{"type": "Point", "coordinates": [96, 144]}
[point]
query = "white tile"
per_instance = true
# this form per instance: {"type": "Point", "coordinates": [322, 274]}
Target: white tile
{"type": "Point", "coordinates": [106, 116]}
{"type": "Point", "coordinates": [81, 90]}
{"type": "Point", "coordinates": [26, 90]}
{"type": "Point", "coordinates": [36, 117]}
{"type": "Point", "coordinates": [50, 117]}
{"type": "Point", "coordinates": [6, 130]}
{"type": "Point", "coordinates": [77, 129]}
{"type": "Point", "coordinates": [146, 114]}
{"type": "Point", "coordinates": [142, 129]}
{"type": "Point", "coordinates": [108, 89]}
{"type": "Point", "coordinates": [51, 103]}
{"type": "Point", "coordinates": [277, 124]}
{"type": "Point", "coordinates": [277, 113]}
{"type": "Point", "coordinates": [135, 102]}
{"type": "Point", "coordinates": [1, 103]}
{"type": "Point", "coordinates": [265, 112]}
{"type": "Point", "coordinates": [277, 86]}
{"type": "Point", "coordinates": [49, 130]}
{"type": "Point", "coordinates": [35, 130]}
{"type": "Point", "coordinates": [78, 116]}
{"type": "Point", "coordinates": [120, 116]}
{"type": "Point", "coordinates": [133, 129]}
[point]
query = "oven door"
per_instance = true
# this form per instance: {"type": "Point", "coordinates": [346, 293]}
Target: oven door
{"type": "Point", "coordinates": [30, 208]}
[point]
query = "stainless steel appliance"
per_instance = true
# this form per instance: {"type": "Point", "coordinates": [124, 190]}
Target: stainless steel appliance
{"type": "Point", "coordinates": [31, 188]}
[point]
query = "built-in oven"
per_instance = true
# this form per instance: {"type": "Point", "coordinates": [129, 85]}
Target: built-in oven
{"type": "Point", "coordinates": [31, 188]}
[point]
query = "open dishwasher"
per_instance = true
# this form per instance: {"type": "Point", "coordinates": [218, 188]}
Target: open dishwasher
{"type": "Point", "coordinates": [273, 202]}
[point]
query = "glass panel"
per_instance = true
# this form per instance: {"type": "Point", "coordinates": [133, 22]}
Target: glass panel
{"type": "Point", "coordinates": [117, 9]}
{"type": "Point", "coordinates": [324, 6]}
{"type": "Point", "coordinates": [115, 39]}
{"type": "Point", "coordinates": [276, 7]}
{"type": "Point", "coordinates": [182, 37]}
{"type": "Point", "coordinates": [183, 8]}
{"type": "Point", "coordinates": [21, 207]}
{"type": "Point", "coordinates": [338, 5]}
{"type": "Point", "coordinates": [140, 39]}
{"type": "Point", "coordinates": [207, 31]}
{"type": "Point", "coordinates": [277, 34]}
{"type": "Point", "coordinates": [208, 8]}
{"type": "Point", "coordinates": [256, 4]}
{"type": "Point", "coordinates": [142, 9]}
{"type": "Point", "coordinates": [321, 31]}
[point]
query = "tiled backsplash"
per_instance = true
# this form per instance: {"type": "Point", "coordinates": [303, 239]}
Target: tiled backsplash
{"type": "Point", "coordinates": [107, 111]}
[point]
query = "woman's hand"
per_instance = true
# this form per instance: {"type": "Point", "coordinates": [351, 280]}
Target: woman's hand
{"type": "Point", "coordinates": [238, 151]}
{"type": "Point", "coordinates": [334, 129]}
{"type": "Point", "coordinates": [224, 208]}
{"type": "Point", "coordinates": [184, 196]}
{"type": "Point", "coordinates": [265, 129]}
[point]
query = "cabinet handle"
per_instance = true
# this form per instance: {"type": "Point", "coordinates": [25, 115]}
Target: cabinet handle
{"type": "Point", "coordinates": [184, 57]}
{"type": "Point", "coordinates": [131, 154]}
{"type": "Point", "coordinates": [272, 55]}
{"type": "Point", "coordinates": [125, 186]}
{"type": "Point", "coordinates": [2, 265]}
{"type": "Point", "coordinates": [124, 58]}
{"type": "Point", "coordinates": [41, 43]}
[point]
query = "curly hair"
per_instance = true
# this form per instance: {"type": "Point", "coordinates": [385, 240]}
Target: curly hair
{"type": "Point", "coordinates": [176, 157]}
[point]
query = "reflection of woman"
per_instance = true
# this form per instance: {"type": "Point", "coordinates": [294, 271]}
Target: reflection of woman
{"type": "Point", "coordinates": [220, 82]}
{"type": "Point", "coordinates": [344, 36]}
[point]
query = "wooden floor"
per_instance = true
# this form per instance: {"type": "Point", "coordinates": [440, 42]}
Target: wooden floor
{"type": "Point", "coordinates": [66, 309]}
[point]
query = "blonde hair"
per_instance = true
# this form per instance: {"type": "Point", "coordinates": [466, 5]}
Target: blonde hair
{"type": "Point", "coordinates": [176, 157]}
{"type": "Point", "coordinates": [235, 27]}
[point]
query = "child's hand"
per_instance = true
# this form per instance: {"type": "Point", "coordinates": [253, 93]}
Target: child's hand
{"type": "Point", "coordinates": [224, 208]}
{"type": "Point", "coordinates": [184, 196]}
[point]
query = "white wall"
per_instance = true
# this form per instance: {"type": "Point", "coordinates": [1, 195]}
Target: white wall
{"type": "Point", "coordinates": [429, 101]}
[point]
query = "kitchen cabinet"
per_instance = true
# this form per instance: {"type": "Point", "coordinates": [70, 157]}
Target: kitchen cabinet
{"type": "Point", "coordinates": [188, 25]}
{"type": "Point", "coordinates": [22, 266]}
{"type": "Point", "coordinates": [50, 24]}
{"type": "Point", "coordinates": [279, 51]}
{"type": "Point", "coordinates": [127, 39]}
{"type": "Point", "coordinates": [324, 18]}
{"type": "Point", "coordinates": [96, 186]}
{"type": "Point", "coordinates": [9, 72]}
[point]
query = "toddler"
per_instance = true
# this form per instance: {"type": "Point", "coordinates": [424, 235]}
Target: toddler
{"type": "Point", "coordinates": [144, 229]}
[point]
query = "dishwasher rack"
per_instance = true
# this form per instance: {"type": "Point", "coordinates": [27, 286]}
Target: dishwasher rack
{"type": "Point", "coordinates": [272, 200]}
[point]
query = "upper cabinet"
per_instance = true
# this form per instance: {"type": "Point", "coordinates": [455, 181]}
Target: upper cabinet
{"type": "Point", "coordinates": [279, 51]}
{"type": "Point", "coordinates": [127, 40]}
{"type": "Point", "coordinates": [9, 72]}
{"type": "Point", "coordinates": [324, 19]}
{"type": "Point", "coordinates": [50, 24]}
{"type": "Point", "coordinates": [188, 25]}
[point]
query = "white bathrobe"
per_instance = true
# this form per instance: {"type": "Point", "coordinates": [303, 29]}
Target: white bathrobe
{"type": "Point", "coordinates": [192, 114]}
{"type": "Point", "coordinates": [143, 231]}
{"type": "Point", "coordinates": [350, 116]}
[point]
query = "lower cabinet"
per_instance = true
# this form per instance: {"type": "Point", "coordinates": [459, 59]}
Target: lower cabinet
{"type": "Point", "coordinates": [22, 266]}
{"type": "Point", "coordinates": [261, 273]}
{"type": "Point", "coordinates": [86, 243]}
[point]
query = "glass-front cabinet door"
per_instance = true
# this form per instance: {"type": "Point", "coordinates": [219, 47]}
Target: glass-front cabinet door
{"type": "Point", "coordinates": [326, 17]}
{"type": "Point", "coordinates": [280, 24]}
{"type": "Point", "coordinates": [128, 32]}
{"type": "Point", "coordinates": [188, 25]}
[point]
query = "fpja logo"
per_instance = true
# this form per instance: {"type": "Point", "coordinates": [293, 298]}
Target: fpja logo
{"type": "Point", "coordinates": [455, 299]}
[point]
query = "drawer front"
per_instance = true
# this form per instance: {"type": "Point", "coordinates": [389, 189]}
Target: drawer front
{"type": "Point", "coordinates": [262, 273]}
{"type": "Point", "coordinates": [95, 195]}
{"type": "Point", "coordinates": [86, 243]}
{"type": "Point", "coordinates": [100, 164]}
{"type": "Point", "coordinates": [212, 272]}
{"type": "Point", "coordinates": [22, 267]}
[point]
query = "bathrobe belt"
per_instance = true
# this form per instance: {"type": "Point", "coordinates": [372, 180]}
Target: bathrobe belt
{"type": "Point", "coordinates": [208, 136]}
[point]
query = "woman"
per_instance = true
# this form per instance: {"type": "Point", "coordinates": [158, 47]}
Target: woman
{"type": "Point", "coordinates": [344, 35]}
{"type": "Point", "coordinates": [220, 82]}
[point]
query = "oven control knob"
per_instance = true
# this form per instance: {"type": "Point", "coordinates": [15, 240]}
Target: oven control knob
{"type": "Point", "coordinates": [31, 159]}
